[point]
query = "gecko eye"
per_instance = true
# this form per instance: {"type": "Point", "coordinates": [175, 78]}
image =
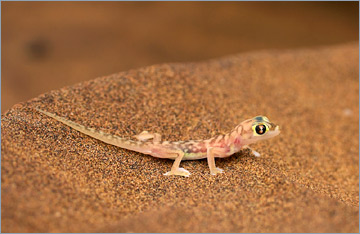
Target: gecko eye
{"type": "Point", "coordinates": [261, 129]}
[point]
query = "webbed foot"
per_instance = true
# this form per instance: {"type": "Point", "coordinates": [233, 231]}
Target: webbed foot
{"type": "Point", "coordinates": [145, 136]}
{"type": "Point", "coordinates": [179, 172]}
{"type": "Point", "coordinates": [216, 171]}
{"type": "Point", "coordinates": [256, 154]}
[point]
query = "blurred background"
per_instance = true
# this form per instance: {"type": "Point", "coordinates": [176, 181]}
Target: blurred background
{"type": "Point", "coordinates": [49, 45]}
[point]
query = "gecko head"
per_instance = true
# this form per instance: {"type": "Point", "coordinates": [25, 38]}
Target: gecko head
{"type": "Point", "coordinates": [258, 128]}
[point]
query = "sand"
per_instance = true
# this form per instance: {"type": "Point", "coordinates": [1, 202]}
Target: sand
{"type": "Point", "coordinates": [99, 38]}
{"type": "Point", "coordinates": [55, 179]}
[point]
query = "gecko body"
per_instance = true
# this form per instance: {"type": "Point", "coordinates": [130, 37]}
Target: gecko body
{"type": "Point", "coordinates": [247, 132]}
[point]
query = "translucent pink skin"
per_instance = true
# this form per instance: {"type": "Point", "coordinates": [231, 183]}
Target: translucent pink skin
{"type": "Point", "coordinates": [220, 146]}
{"type": "Point", "coordinates": [225, 145]}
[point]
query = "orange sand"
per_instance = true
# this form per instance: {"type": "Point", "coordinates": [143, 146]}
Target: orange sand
{"type": "Point", "coordinates": [55, 179]}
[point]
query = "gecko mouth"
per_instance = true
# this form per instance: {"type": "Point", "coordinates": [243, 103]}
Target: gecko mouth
{"type": "Point", "coordinates": [273, 133]}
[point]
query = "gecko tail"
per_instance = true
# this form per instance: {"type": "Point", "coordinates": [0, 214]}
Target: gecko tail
{"type": "Point", "coordinates": [137, 146]}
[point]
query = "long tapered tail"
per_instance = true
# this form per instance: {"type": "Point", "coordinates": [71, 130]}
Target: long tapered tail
{"type": "Point", "coordinates": [137, 146]}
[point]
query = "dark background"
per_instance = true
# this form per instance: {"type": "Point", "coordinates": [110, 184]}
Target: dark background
{"type": "Point", "coordinates": [48, 45]}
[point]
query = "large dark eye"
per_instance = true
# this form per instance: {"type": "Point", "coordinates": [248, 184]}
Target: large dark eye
{"type": "Point", "coordinates": [260, 129]}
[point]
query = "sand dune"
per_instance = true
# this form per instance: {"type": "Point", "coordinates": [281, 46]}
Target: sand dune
{"type": "Point", "coordinates": [55, 179]}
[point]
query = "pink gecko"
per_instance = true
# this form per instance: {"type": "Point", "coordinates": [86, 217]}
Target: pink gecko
{"type": "Point", "coordinates": [247, 132]}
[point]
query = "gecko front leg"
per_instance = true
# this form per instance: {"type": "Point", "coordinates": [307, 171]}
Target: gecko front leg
{"type": "Point", "coordinates": [256, 154]}
{"type": "Point", "coordinates": [211, 152]}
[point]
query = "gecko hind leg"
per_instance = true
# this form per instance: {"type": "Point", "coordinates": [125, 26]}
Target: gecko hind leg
{"type": "Point", "coordinates": [145, 135]}
{"type": "Point", "coordinates": [175, 169]}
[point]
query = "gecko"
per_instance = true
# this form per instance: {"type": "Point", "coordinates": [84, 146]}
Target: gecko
{"type": "Point", "coordinates": [220, 146]}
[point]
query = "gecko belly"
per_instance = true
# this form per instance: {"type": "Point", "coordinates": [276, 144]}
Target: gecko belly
{"type": "Point", "coordinates": [194, 156]}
